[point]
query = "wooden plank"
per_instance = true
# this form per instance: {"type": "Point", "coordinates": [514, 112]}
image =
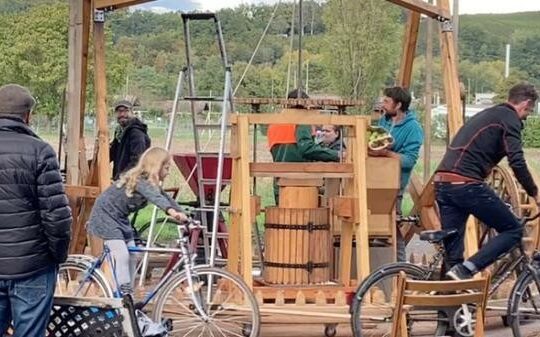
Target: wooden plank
{"type": "Point", "coordinates": [318, 168]}
{"type": "Point", "coordinates": [410, 39]}
{"type": "Point", "coordinates": [74, 191]}
{"type": "Point", "coordinates": [300, 182]}
{"type": "Point", "coordinates": [422, 7]}
{"type": "Point", "coordinates": [117, 4]}
{"type": "Point", "coordinates": [245, 217]}
{"type": "Point", "coordinates": [234, 228]}
{"type": "Point", "coordinates": [360, 191]}
{"type": "Point", "coordinates": [442, 301]}
{"type": "Point", "coordinates": [471, 237]}
{"type": "Point", "coordinates": [301, 117]}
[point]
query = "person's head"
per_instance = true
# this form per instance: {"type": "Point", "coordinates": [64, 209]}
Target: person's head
{"type": "Point", "coordinates": [124, 112]}
{"type": "Point", "coordinates": [396, 99]}
{"type": "Point", "coordinates": [297, 94]}
{"type": "Point", "coordinates": [153, 165]}
{"type": "Point", "coordinates": [16, 102]}
{"type": "Point", "coordinates": [329, 133]}
{"type": "Point", "coordinates": [523, 98]}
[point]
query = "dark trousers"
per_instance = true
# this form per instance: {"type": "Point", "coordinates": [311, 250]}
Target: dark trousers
{"type": "Point", "coordinates": [28, 302]}
{"type": "Point", "coordinates": [457, 202]}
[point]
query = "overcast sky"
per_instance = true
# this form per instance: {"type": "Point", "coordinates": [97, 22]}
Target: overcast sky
{"type": "Point", "coordinates": [466, 6]}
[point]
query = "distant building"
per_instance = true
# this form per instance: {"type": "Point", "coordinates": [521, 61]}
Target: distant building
{"type": "Point", "coordinates": [484, 98]}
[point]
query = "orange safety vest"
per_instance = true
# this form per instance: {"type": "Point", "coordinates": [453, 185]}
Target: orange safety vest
{"type": "Point", "coordinates": [281, 134]}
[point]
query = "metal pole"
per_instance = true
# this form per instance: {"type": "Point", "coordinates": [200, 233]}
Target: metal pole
{"type": "Point", "coordinates": [168, 142]}
{"type": "Point", "coordinates": [507, 63]}
{"type": "Point", "coordinates": [219, 177]}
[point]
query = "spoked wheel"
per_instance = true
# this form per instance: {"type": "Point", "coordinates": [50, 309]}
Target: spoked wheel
{"type": "Point", "coordinates": [524, 307]}
{"type": "Point", "coordinates": [372, 310]}
{"type": "Point", "coordinates": [73, 279]}
{"type": "Point", "coordinates": [229, 307]}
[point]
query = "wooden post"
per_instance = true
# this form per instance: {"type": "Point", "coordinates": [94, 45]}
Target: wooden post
{"type": "Point", "coordinates": [428, 97]}
{"type": "Point", "coordinates": [74, 97]}
{"type": "Point", "coordinates": [409, 49]}
{"type": "Point", "coordinates": [245, 218]}
{"type": "Point", "coordinates": [100, 84]}
{"type": "Point", "coordinates": [450, 74]}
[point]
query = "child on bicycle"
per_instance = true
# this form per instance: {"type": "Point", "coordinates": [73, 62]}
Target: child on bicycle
{"type": "Point", "coordinates": [109, 219]}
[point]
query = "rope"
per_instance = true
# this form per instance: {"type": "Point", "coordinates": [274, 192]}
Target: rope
{"type": "Point", "coordinates": [257, 47]}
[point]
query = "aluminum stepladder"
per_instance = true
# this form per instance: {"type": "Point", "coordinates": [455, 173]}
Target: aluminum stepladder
{"type": "Point", "coordinates": [205, 206]}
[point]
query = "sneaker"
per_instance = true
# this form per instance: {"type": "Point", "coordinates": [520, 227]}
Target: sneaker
{"type": "Point", "coordinates": [459, 272]}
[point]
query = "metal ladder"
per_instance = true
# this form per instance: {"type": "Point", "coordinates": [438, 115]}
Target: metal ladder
{"type": "Point", "coordinates": [207, 206]}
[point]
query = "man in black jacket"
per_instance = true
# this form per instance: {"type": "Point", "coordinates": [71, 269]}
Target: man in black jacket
{"type": "Point", "coordinates": [130, 139]}
{"type": "Point", "coordinates": [460, 189]}
{"type": "Point", "coordinates": [35, 218]}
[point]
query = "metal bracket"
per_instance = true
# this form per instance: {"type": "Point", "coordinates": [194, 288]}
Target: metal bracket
{"type": "Point", "coordinates": [99, 16]}
{"type": "Point", "coordinates": [447, 26]}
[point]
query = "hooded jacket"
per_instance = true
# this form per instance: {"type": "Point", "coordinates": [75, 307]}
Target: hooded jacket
{"type": "Point", "coordinates": [35, 218]}
{"type": "Point", "coordinates": [408, 138]}
{"type": "Point", "coordinates": [125, 153]}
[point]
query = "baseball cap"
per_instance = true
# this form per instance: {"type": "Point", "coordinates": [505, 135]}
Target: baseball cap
{"type": "Point", "coordinates": [124, 103]}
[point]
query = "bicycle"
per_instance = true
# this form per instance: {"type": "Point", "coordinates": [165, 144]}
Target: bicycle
{"type": "Point", "coordinates": [372, 303]}
{"type": "Point", "coordinates": [193, 300]}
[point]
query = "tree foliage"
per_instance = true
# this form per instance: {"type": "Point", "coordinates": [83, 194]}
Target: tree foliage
{"type": "Point", "coordinates": [362, 38]}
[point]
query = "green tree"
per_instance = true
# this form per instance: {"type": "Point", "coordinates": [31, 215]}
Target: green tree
{"type": "Point", "coordinates": [363, 45]}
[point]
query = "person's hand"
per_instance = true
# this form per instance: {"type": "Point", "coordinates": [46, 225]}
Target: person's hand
{"type": "Point", "coordinates": [378, 153]}
{"type": "Point", "coordinates": [179, 216]}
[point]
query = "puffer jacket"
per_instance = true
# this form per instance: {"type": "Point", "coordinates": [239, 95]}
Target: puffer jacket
{"type": "Point", "coordinates": [35, 218]}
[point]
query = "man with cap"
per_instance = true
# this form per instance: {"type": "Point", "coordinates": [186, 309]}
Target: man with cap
{"type": "Point", "coordinates": [35, 218]}
{"type": "Point", "coordinates": [130, 139]}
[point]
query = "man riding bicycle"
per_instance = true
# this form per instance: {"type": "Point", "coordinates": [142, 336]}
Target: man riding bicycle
{"type": "Point", "coordinates": [460, 189]}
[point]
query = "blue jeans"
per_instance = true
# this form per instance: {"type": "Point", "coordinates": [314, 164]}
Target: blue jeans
{"type": "Point", "coordinates": [28, 303]}
{"type": "Point", "coordinates": [457, 202]}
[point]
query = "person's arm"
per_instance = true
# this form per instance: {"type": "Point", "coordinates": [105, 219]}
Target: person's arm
{"type": "Point", "coordinates": [156, 196]}
{"type": "Point", "coordinates": [310, 150]}
{"type": "Point", "coordinates": [137, 146]}
{"type": "Point", "coordinates": [408, 154]}
{"type": "Point", "coordinates": [113, 147]}
{"type": "Point", "coordinates": [53, 205]}
{"type": "Point", "coordinates": [516, 159]}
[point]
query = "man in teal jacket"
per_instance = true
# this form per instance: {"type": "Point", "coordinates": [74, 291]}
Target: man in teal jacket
{"type": "Point", "coordinates": [408, 138]}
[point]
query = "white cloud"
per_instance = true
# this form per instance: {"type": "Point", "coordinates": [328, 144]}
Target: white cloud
{"type": "Point", "coordinates": [160, 9]}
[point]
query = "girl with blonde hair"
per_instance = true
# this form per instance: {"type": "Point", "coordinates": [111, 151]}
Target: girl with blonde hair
{"type": "Point", "coordinates": [109, 219]}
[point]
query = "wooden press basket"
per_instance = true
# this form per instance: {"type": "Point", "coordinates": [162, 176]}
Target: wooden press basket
{"type": "Point", "coordinates": [297, 246]}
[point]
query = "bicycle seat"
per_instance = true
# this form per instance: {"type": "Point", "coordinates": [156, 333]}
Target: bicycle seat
{"type": "Point", "coordinates": [437, 236]}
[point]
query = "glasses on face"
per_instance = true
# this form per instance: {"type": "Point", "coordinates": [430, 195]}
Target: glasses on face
{"type": "Point", "coordinates": [326, 130]}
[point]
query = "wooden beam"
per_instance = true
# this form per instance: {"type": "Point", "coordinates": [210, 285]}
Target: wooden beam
{"type": "Point", "coordinates": [117, 4]}
{"type": "Point", "coordinates": [104, 179]}
{"type": "Point", "coordinates": [300, 168]}
{"type": "Point", "coordinates": [434, 12]}
{"type": "Point", "coordinates": [82, 191]}
{"type": "Point", "coordinates": [450, 75]}
{"type": "Point", "coordinates": [297, 116]}
{"type": "Point", "coordinates": [409, 49]}
{"type": "Point", "coordinates": [74, 97]}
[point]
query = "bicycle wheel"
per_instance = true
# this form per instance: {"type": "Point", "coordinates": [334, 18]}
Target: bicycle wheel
{"type": "Point", "coordinates": [73, 279]}
{"type": "Point", "coordinates": [524, 306]}
{"type": "Point", "coordinates": [231, 308]}
{"type": "Point", "coordinates": [372, 308]}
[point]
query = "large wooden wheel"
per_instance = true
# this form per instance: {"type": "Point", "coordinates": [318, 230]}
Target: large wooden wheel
{"type": "Point", "coordinates": [508, 189]}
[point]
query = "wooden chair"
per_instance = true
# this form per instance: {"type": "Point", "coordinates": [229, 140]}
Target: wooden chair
{"type": "Point", "coordinates": [434, 294]}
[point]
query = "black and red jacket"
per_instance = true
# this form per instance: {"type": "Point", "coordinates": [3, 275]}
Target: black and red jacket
{"type": "Point", "coordinates": [484, 141]}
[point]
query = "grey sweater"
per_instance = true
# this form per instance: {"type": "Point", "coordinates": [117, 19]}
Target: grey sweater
{"type": "Point", "coordinates": [109, 219]}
